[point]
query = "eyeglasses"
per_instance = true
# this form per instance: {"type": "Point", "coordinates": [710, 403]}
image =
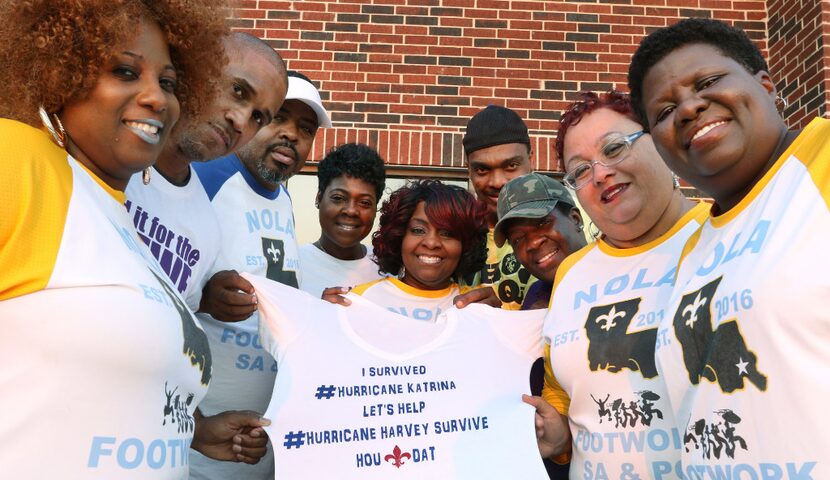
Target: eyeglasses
{"type": "Point", "coordinates": [612, 153]}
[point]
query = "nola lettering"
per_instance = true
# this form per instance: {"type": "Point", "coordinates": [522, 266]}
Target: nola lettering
{"type": "Point", "coordinates": [132, 453]}
{"type": "Point", "coordinates": [629, 281]}
{"type": "Point", "coordinates": [265, 219]}
{"type": "Point", "coordinates": [738, 246]}
{"type": "Point", "coordinates": [175, 253]}
{"type": "Point", "coordinates": [424, 314]}
{"type": "Point", "coordinates": [131, 242]}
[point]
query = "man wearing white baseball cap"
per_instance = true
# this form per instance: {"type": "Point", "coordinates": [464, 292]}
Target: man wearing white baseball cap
{"type": "Point", "coordinates": [248, 195]}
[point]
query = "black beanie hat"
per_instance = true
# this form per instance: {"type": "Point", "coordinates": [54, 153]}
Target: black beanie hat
{"type": "Point", "coordinates": [495, 125]}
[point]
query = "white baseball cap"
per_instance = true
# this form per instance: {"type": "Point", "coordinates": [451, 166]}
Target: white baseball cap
{"type": "Point", "coordinates": [304, 91]}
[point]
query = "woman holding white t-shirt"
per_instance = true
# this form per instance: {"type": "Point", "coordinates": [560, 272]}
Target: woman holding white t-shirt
{"type": "Point", "coordinates": [431, 234]}
{"type": "Point", "coordinates": [351, 179]}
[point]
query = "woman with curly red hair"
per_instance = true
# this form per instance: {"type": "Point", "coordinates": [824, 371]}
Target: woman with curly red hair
{"type": "Point", "coordinates": [430, 236]}
{"type": "Point", "coordinates": [600, 330]}
{"type": "Point", "coordinates": [106, 361]}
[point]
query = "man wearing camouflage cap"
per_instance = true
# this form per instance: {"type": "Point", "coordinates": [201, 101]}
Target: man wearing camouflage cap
{"type": "Point", "coordinates": [538, 218]}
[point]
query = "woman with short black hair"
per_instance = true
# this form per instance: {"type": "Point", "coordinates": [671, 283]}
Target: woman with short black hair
{"type": "Point", "coordinates": [747, 359]}
{"type": "Point", "coordinates": [351, 179]}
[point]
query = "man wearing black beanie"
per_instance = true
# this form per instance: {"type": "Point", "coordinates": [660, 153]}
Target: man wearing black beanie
{"type": "Point", "coordinates": [497, 148]}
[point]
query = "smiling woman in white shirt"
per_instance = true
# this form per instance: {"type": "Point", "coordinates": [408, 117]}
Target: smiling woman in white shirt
{"type": "Point", "coordinates": [351, 179]}
{"type": "Point", "coordinates": [747, 324]}
{"type": "Point", "coordinates": [431, 234]}
{"type": "Point", "coordinates": [601, 329]}
{"type": "Point", "coordinates": [106, 361]}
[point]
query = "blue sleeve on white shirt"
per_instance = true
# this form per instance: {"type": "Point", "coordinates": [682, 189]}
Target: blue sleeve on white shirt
{"type": "Point", "coordinates": [215, 173]}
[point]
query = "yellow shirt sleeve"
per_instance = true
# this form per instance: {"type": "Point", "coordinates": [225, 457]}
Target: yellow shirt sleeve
{"type": "Point", "coordinates": [552, 392]}
{"type": "Point", "coordinates": [35, 187]}
{"type": "Point", "coordinates": [361, 289]}
{"type": "Point", "coordinates": [812, 147]}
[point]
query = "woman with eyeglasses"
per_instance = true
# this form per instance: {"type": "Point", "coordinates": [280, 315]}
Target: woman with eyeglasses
{"type": "Point", "coordinates": [601, 386]}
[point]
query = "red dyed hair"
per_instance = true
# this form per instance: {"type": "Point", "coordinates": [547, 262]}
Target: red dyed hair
{"type": "Point", "coordinates": [447, 207]}
{"type": "Point", "coordinates": [588, 102]}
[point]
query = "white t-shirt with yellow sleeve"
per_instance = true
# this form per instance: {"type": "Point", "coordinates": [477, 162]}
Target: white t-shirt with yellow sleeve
{"type": "Point", "coordinates": [748, 362]}
{"type": "Point", "coordinates": [600, 334]}
{"type": "Point", "coordinates": [102, 364]}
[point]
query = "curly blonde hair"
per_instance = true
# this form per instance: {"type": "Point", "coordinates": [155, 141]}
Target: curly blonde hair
{"type": "Point", "coordinates": [51, 51]}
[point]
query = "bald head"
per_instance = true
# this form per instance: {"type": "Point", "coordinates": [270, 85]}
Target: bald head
{"type": "Point", "coordinates": [251, 90]}
{"type": "Point", "coordinates": [237, 42]}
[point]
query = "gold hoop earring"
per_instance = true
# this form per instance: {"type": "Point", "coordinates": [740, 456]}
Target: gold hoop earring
{"type": "Point", "coordinates": [145, 176]}
{"type": "Point", "coordinates": [59, 134]}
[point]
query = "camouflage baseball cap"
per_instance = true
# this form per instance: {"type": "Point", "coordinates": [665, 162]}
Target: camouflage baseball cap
{"type": "Point", "coordinates": [529, 196]}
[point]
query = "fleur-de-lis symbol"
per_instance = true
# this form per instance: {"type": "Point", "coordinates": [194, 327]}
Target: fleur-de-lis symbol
{"type": "Point", "coordinates": [609, 319]}
{"type": "Point", "coordinates": [692, 309]}
{"type": "Point", "coordinates": [274, 252]}
{"type": "Point", "coordinates": [397, 457]}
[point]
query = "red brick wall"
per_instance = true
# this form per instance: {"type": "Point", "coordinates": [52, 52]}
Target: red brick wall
{"type": "Point", "coordinates": [799, 56]}
{"type": "Point", "coordinates": [406, 75]}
